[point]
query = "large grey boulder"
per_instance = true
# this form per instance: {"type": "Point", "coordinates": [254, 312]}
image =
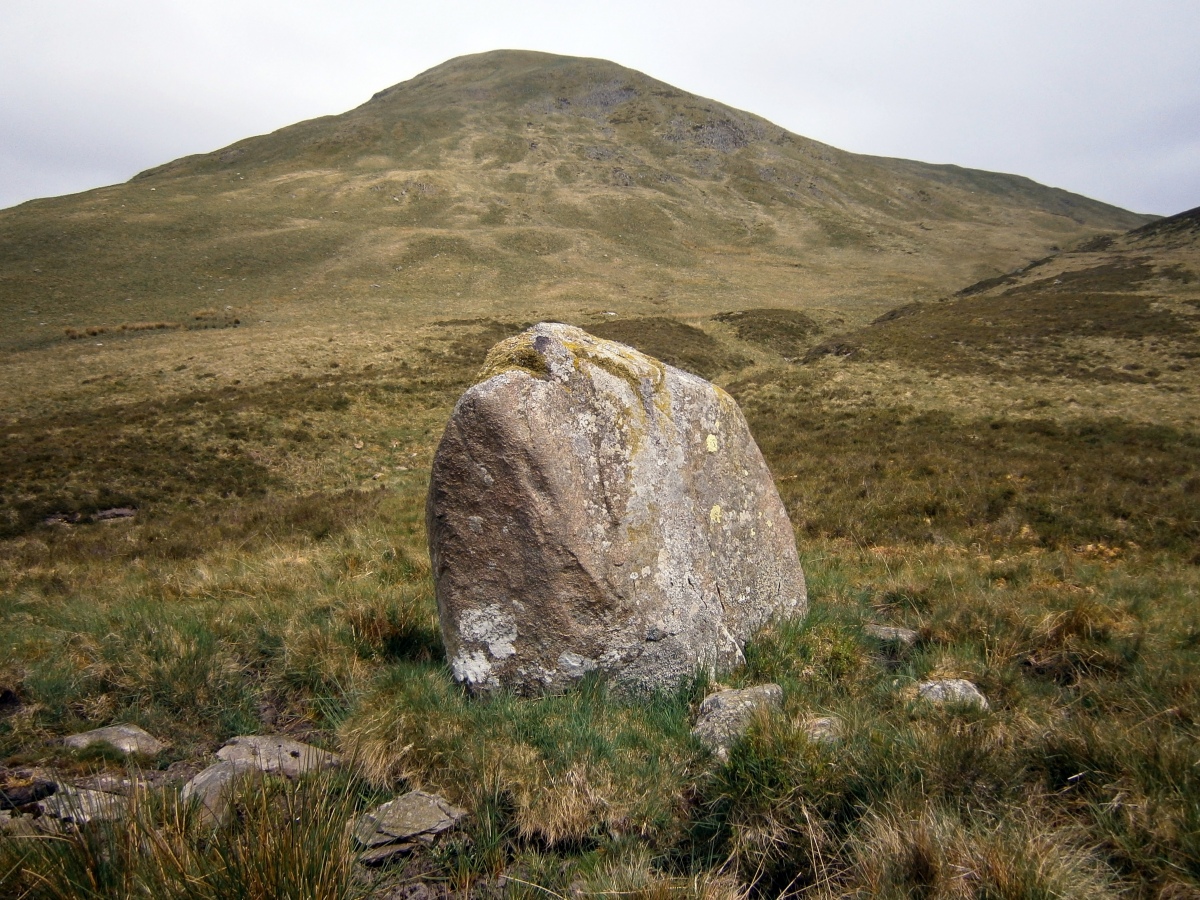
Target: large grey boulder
{"type": "Point", "coordinates": [593, 508]}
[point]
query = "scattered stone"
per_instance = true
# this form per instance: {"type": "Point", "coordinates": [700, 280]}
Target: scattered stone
{"type": "Point", "coordinates": [725, 715]}
{"type": "Point", "coordinates": [268, 711]}
{"type": "Point", "coordinates": [276, 754]}
{"type": "Point", "coordinates": [19, 789]}
{"type": "Point", "coordinates": [592, 508]}
{"type": "Point", "coordinates": [824, 729]}
{"type": "Point", "coordinates": [15, 825]}
{"type": "Point", "coordinates": [63, 519]}
{"type": "Point", "coordinates": [78, 806]}
{"type": "Point", "coordinates": [110, 783]}
{"type": "Point", "coordinates": [951, 690]}
{"type": "Point", "coordinates": [892, 634]}
{"type": "Point", "coordinates": [398, 826]}
{"type": "Point", "coordinates": [126, 738]}
{"type": "Point", "coordinates": [120, 512]}
{"type": "Point", "coordinates": [213, 787]}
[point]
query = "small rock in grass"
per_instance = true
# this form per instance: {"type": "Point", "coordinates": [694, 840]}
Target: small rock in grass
{"type": "Point", "coordinates": [16, 825]}
{"type": "Point", "coordinates": [126, 738]}
{"type": "Point", "coordinates": [78, 806]}
{"type": "Point", "coordinates": [824, 729]}
{"type": "Point", "coordinates": [385, 853]}
{"type": "Point", "coordinates": [276, 754]}
{"type": "Point", "coordinates": [19, 788]}
{"type": "Point", "coordinates": [725, 715]}
{"type": "Point", "coordinates": [396, 827]}
{"type": "Point", "coordinates": [109, 783]}
{"type": "Point", "coordinates": [951, 690]}
{"type": "Point", "coordinates": [213, 787]}
{"type": "Point", "coordinates": [891, 634]}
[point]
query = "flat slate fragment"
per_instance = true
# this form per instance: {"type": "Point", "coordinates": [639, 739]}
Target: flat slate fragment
{"type": "Point", "coordinates": [78, 806]}
{"type": "Point", "coordinates": [411, 817]}
{"type": "Point", "coordinates": [385, 853]}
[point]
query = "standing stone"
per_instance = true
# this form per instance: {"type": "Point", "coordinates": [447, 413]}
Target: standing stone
{"type": "Point", "coordinates": [592, 508]}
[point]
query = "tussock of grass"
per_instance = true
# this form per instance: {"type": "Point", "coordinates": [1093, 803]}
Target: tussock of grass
{"type": "Point", "coordinates": [281, 840]}
{"type": "Point", "coordinates": [784, 331]}
{"type": "Point", "coordinates": [564, 771]}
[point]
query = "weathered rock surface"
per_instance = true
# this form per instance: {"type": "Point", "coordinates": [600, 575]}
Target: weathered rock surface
{"type": "Point", "coordinates": [126, 738]}
{"type": "Point", "coordinates": [77, 806]}
{"type": "Point", "coordinates": [398, 826]}
{"type": "Point", "coordinates": [276, 754]}
{"type": "Point", "coordinates": [111, 783]}
{"type": "Point", "coordinates": [892, 634]}
{"type": "Point", "coordinates": [725, 715]}
{"type": "Point", "coordinates": [593, 508]}
{"type": "Point", "coordinates": [824, 729]}
{"type": "Point", "coordinates": [951, 690]}
{"type": "Point", "coordinates": [19, 788]}
{"type": "Point", "coordinates": [213, 787]}
{"type": "Point", "coordinates": [16, 825]}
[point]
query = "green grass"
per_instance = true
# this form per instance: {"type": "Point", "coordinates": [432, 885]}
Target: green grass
{"type": "Point", "coordinates": [1019, 490]}
{"type": "Point", "coordinates": [1051, 561]}
{"type": "Point", "coordinates": [282, 841]}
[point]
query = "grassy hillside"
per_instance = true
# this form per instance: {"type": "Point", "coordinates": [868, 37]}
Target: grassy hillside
{"type": "Point", "coordinates": [1011, 470]}
{"type": "Point", "coordinates": [519, 184]}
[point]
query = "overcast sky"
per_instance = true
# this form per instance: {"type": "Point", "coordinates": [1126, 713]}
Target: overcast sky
{"type": "Point", "coordinates": [1101, 97]}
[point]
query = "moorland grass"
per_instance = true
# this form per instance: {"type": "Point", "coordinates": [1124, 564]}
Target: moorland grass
{"type": "Point", "coordinates": [1046, 553]}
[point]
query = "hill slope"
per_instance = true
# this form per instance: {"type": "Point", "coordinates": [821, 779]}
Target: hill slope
{"type": "Point", "coordinates": [523, 184]}
{"type": "Point", "coordinates": [1118, 310]}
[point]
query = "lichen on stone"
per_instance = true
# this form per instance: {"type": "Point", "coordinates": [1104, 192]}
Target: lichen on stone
{"type": "Point", "coordinates": [516, 353]}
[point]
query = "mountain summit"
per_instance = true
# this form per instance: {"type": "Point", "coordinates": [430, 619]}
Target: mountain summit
{"type": "Point", "coordinates": [532, 185]}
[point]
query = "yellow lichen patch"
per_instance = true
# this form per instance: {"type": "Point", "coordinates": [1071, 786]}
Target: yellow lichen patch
{"type": "Point", "coordinates": [712, 443]}
{"type": "Point", "coordinates": [620, 361]}
{"type": "Point", "coordinates": [516, 352]}
{"type": "Point", "coordinates": [714, 515]}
